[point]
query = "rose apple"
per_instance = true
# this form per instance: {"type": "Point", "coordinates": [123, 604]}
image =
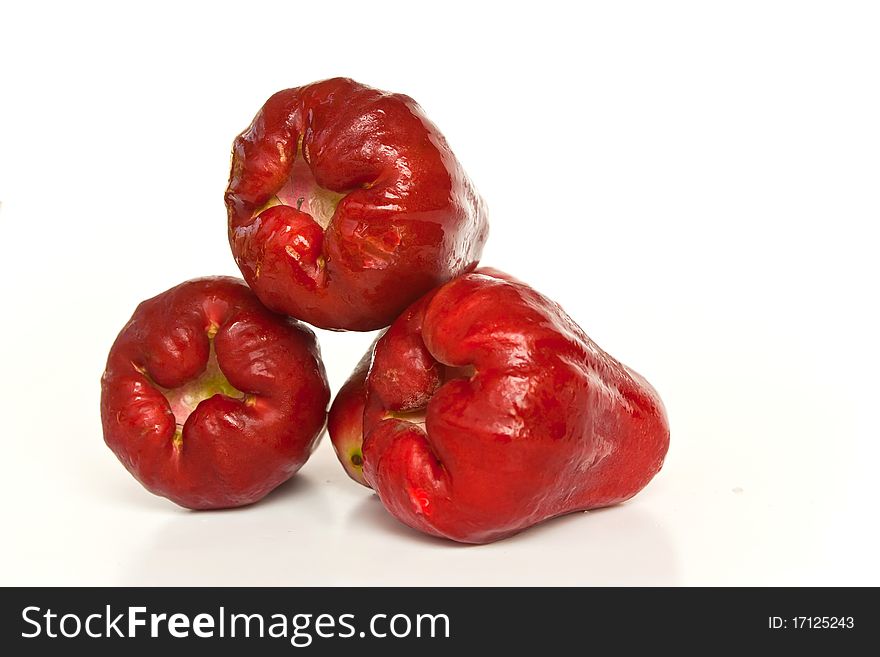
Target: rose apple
{"type": "Point", "coordinates": [485, 409]}
{"type": "Point", "coordinates": [345, 204]}
{"type": "Point", "coordinates": [211, 400]}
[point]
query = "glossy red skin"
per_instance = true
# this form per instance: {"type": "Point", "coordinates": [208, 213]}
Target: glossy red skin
{"type": "Point", "coordinates": [410, 219]}
{"type": "Point", "coordinates": [547, 424]}
{"type": "Point", "coordinates": [234, 451]}
{"type": "Point", "coordinates": [345, 423]}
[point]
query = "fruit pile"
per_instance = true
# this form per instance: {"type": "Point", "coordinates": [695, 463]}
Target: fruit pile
{"type": "Point", "coordinates": [481, 410]}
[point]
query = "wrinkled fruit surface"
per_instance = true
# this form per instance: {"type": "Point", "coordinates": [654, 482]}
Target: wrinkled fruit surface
{"type": "Point", "coordinates": [345, 204]}
{"type": "Point", "coordinates": [485, 409]}
{"type": "Point", "coordinates": [211, 400]}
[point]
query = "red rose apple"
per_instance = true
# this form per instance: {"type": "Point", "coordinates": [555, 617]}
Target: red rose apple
{"type": "Point", "coordinates": [211, 400]}
{"type": "Point", "coordinates": [485, 409]}
{"type": "Point", "coordinates": [346, 204]}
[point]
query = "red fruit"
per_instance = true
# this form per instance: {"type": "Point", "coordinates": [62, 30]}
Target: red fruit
{"type": "Point", "coordinates": [346, 204]}
{"type": "Point", "coordinates": [346, 422]}
{"type": "Point", "coordinates": [211, 400]}
{"type": "Point", "coordinates": [485, 409]}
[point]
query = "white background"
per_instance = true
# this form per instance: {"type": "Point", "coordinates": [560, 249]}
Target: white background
{"type": "Point", "coordinates": [696, 183]}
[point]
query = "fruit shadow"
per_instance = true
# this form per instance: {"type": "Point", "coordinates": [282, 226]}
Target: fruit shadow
{"type": "Point", "coordinates": [622, 545]}
{"type": "Point", "coordinates": [250, 545]}
{"type": "Point", "coordinates": [320, 531]}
